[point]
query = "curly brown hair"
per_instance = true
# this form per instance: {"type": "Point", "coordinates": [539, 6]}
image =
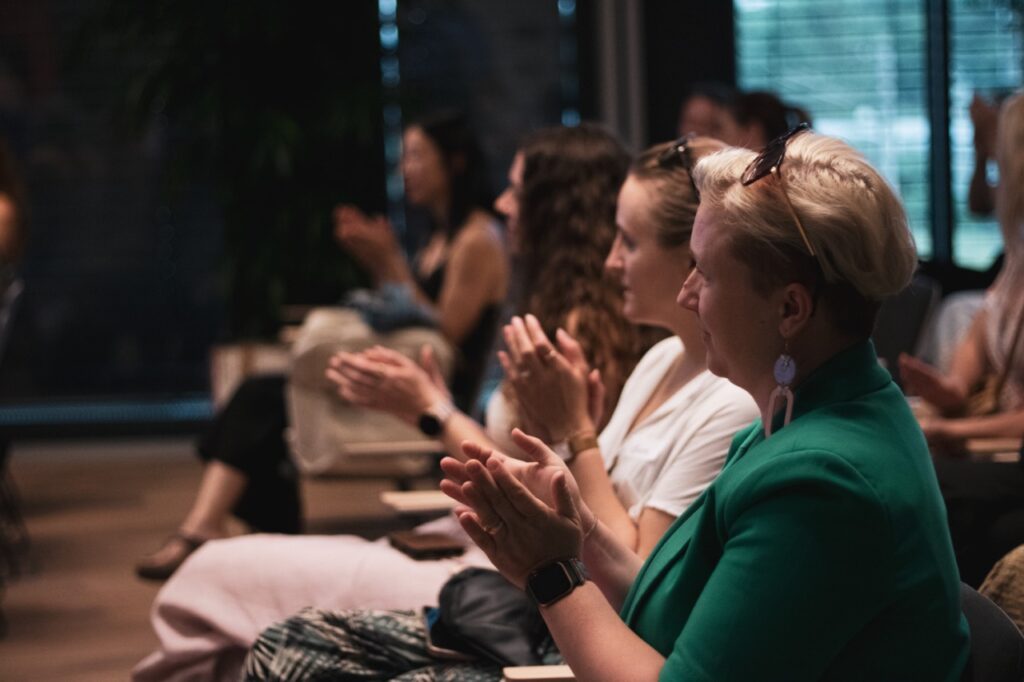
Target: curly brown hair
{"type": "Point", "coordinates": [571, 180]}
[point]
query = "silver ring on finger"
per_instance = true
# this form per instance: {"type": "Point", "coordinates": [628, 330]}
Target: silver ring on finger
{"type": "Point", "coordinates": [491, 530]}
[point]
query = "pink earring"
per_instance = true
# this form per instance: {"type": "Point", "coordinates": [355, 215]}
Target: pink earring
{"type": "Point", "coordinates": [785, 372]}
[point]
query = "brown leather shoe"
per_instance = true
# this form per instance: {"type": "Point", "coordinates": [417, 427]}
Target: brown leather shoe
{"type": "Point", "coordinates": [161, 564]}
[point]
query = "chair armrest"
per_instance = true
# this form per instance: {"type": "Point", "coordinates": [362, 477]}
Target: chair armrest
{"type": "Point", "coordinates": [538, 673]}
{"type": "Point", "coordinates": [417, 501]}
{"type": "Point", "coordinates": [994, 449]}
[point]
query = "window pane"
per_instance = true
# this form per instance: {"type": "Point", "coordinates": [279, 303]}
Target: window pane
{"type": "Point", "coordinates": [986, 58]}
{"type": "Point", "coordinates": [858, 67]}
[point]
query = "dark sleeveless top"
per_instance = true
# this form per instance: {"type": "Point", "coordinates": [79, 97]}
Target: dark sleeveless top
{"type": "Point", "coordinates": [471, 357]}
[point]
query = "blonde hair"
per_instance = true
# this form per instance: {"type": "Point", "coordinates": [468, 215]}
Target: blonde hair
{"type": "Point", "coordinates": [853, 219]}
{"type": "Point", "coordinates": [1010, 159]}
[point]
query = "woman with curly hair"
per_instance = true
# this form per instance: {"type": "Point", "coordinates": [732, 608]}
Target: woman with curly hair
{"type": "Point", "coordinates": [663, 445]}
{"type": "Point", "coordinates": [560, 205]}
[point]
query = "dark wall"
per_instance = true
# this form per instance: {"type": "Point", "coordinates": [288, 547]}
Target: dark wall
{"type": "Point", "coordinates": [686, 42]}
{"type": "Point", "coordinates": [182, 159]}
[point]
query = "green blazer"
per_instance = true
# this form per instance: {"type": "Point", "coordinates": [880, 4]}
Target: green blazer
{"type": "Point", "coordinates": [819, 553]}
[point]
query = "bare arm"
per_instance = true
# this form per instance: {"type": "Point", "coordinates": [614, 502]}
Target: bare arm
{"type": "Point", "coordinates": [384, 379]}
{"type": "Point", "coordinates": [519, 532]}
{"type": "Point", "coordinates": [594, 641]}
{"type": "Point", "coordinates": [555, 391]}
{"type": "Point", "coordinates": [980, 195]}
{"type": "Point", "coordinates": [948, 393]}
{"type": "Point", "coordinates": [477, 275]}
{"type": "Point", "coordinates": [477, 268]}
{"type": "Point", "coordinates": [638, 536]}
{"type": "Point", "coordinates": [970, 362]}
{"type": "Point", "coordinates": [1002, 425]}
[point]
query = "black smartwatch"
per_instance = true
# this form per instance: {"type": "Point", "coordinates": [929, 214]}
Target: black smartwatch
{"type": "Point", "coordinates": [431, 423]}
{"type": "Point", "coordinates": [551, 582]}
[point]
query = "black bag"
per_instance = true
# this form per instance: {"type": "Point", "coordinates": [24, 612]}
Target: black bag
{"type": "Point", "coordinates": [484, 615]}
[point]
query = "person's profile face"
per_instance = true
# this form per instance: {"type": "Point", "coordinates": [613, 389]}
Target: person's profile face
{"type": "Point", "coordinates": [423, 169]}
{"type": "Point", "coordinates": [735, 319]}
{"type": "Point", "coordinates": [650, 273]}
{"type": "Point", "coordinates": [508, 202]}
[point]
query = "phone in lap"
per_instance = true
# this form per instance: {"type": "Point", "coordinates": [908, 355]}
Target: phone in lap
{"type": "Point", "coordinates": [425, 545]}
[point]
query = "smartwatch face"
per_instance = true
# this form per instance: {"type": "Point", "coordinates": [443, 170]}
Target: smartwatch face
{"type": "Point", "coordinates": [429, 425]}
{"type": "Point", "coordinates": [550, 583]}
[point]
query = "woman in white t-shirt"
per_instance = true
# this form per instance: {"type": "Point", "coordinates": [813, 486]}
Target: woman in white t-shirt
{"type": "Point", "coordinates": [665, 441]}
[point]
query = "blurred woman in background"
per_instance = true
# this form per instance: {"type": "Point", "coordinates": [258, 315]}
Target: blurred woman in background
{"type": "Point", "coordinates": [461, 276]}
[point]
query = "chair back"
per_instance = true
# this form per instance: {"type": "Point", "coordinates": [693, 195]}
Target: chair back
{"type": "Point", "coordinates": [901, 320]}
{"type": "Point", "coordinates": [997, 646]}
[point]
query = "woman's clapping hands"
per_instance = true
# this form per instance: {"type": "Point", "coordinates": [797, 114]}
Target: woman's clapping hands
{"type": "Point", "coordinates": [558, 393]}
{"type": "Point", "coordinates": [522, 514]}
{"type": "Point", "coordinates": [370, 240]}
{"type": "Point", "coordinates": [384, 379]}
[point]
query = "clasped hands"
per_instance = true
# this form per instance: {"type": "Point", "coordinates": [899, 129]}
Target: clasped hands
{"type": "Point", "coordinates": [384, 379]}
{"type": "Point", "coordinates": [370, 240]}
{"type": "Point", "coordinates": [521, 513]}
{"type": "Point", "coordinates": [558, 393]}
{"type": "Point", "coordinates": [942, 393]}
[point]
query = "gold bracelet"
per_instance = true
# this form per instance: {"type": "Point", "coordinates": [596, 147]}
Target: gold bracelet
{"type": "Point", "coordinates": [581, 441]}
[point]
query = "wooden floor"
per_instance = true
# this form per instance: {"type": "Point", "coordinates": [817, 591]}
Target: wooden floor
{"type": "Point", "coordinates": [92, 509]}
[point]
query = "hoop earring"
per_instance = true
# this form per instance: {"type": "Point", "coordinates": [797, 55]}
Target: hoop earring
{"type": "Point", "coordinates": [785, 372]}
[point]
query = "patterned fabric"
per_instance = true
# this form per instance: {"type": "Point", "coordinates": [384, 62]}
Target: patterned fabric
{"type": "Point", "coordinates": [1005, 585]}
{"type": "Point", "coordinates": [317, 645]}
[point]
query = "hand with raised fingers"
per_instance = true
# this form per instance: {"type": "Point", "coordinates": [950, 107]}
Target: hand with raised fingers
{"type": "Point", "coordinates": [984, 117]}
{"type": "Point", "coordinates": [383, 379]}
{"type": "Point", "coordinates": [370, 240]}
{"type": "Point", "coordinates": [920, 378]}
{"type": "Point", "coordinates": [535, 469]}
{"type": "Point", "coordinates": [554, 386]}
{"type": "Point", "coordinates": [517, 530]}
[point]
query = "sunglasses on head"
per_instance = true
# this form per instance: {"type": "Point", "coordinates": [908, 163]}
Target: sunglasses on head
{"type": "Point", "coordinates": [769, 162]}
{"type": "Point", "coordinates": [677, 155]}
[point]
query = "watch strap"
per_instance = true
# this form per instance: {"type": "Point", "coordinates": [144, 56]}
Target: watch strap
{"type": "Point", "coordinates": [556, 580]}
{"type": "Point", "coordinates": [432, 422]}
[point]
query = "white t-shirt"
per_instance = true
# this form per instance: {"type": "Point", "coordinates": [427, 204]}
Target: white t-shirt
{"type": "Point", "coordinates": [668, 459]}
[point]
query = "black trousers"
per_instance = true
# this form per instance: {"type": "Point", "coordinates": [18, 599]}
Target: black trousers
{"type": "Point", "coordinates": [985, 506]}
{"type": "Point", "coordinates": [248, 436]}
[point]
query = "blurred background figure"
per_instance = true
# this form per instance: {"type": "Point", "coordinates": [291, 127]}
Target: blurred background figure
{"type": "Point", "coordinates": [984, 115]}
{"type": "Point", "coordinates": [760, 116]}
{"type": "Point", "coordinates": [460, 276]}
{"type": "Point", "coordinates": [13, 218]}
{"type": "Point", "coordinates": [706, 110]}
{"type": "Point", "coordinates": [982, 393]}
{"type": "Point", "coordinates": [739, 118]}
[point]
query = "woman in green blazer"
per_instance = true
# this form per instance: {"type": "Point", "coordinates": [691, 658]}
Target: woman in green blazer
{"type": "Point", "coordinates": [821, 551]}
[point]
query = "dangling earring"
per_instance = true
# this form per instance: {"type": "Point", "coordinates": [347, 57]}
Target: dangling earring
{"type": "Point", "coordinates": [785, 372]}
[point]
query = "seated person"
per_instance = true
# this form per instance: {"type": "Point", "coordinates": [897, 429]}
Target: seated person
{"type": "Point", "coordinates": [669, 431]}
{"type": "Point", "coordinates": [821, 549]}
{"type": "Point", "coordinates": [985, 500]}
{"type": "Point", "coordinates": [461, 274]}
{"type": "Point", "coordinates": [761, 116]}
{"type": "Point", "coordinates": [706, 110]}
{"type": "Point", "coordinates": [991, 347]}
